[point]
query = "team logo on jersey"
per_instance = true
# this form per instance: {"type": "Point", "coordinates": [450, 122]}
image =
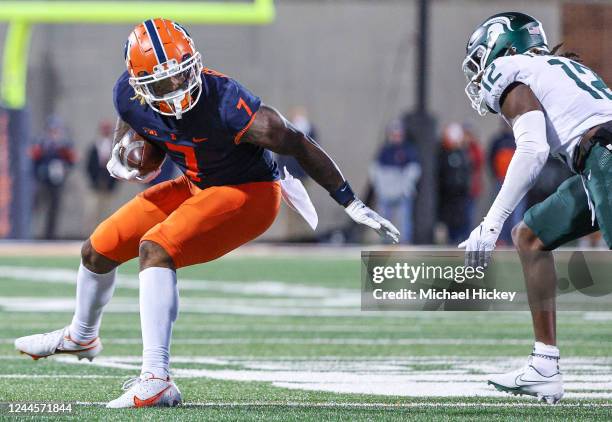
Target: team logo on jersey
{"type": "Point", "coordinates": [150, 132]}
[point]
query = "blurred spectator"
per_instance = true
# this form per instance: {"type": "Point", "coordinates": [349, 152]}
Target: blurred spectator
{"type": "Point", "coordinates": [477, 162]}
{"type": "Point", "coordinates": [394, 176]}
{"type": "Point", "coordinates": [102, 183]}
{"type": "Point", "coordinates": [593, 240]}
{"type": "Point", "coordinates": [455, 183]}
{"type": "Point", "coordinates": [53, 156]}
{"type": "Point", "coordinates": [500, 153]}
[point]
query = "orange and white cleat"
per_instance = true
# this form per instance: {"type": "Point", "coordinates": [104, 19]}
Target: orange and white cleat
{"type": "Point", "coordinates": [147, 391]}
{"type": "Point", "coordinates": [57, 342]}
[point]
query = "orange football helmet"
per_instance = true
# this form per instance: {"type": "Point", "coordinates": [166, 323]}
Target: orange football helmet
{"type": "Point", "coordinates": [164, 66]}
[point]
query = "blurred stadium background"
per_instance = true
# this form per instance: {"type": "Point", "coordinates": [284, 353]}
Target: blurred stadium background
{"type": "Point", "coordinates": [285, 319]}
{"type": "Point", "coordinates": [353, 65]}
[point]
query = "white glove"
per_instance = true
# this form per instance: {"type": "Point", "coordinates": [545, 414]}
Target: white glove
{"type": "Point", "coordinates": [366, 216]}
{"type": "Point", "coordinates": [119, 170]}
{"type": "Point", "coordinates": [480, 245]}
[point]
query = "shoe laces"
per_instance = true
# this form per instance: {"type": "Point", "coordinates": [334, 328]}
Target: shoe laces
{"type": "Point", "coordinates": [130, 383]}
{"type": "Point", "coordinates": [135, 380]}
{"type": "Point", "coordinates": [53, 339]}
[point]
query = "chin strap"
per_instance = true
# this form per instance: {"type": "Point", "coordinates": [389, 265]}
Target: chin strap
{"type": "Point", "coordinates": [178, 107]}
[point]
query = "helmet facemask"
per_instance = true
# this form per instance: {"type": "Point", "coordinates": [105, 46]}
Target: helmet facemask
{"type": "Point", "coordinates": [173, 88]}
{"type": "Point", "coordinates": [473, 71]}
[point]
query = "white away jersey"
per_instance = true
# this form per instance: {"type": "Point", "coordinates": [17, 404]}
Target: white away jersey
{"type": "Point", "coordinates": [573, 97]}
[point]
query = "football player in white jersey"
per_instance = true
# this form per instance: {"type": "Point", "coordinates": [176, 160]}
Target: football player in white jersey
{"type": "Point", "coordinates": [555, 105]}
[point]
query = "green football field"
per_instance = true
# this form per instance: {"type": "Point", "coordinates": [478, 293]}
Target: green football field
{"type": "Point", "coordinates": [282, 337]}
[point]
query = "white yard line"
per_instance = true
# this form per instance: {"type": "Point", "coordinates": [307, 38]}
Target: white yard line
{"type": "Point", "coordinates": [69, 376]}
{"type": "Point", "coordinates": [305, 405]}
{"type": "Point", "coordinates": [334, 306]}
{"type": "Point", "coordinates": [342, 307]}
{"type": "Point", "coordinates": [585, 378]}
{"type": "Point", "coordinates": [580, 363]}
{"type": "Point", "coordinates": [12, 248]}
{"type": "Point", "coordinates": [597, 316]}
{"type": "Point", "coordinates": [347, 341]}
{"type": "Point", "coordinates": [258, 287]}
{"type": "Point", "coordinates": [196, 326]}
{"type": "Point", "coordinates": [347, 306]}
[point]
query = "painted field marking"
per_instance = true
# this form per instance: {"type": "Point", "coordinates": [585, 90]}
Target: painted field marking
{"type": "Point", "coordinates": [346, 341]}
{"type": "Point", "coordinates": [516, 403]}
{"type": "Point", "coordinates": [195, 326]}
{"type": "Point", "coordinates": [597, 316]}
{"type": "Point", "coordinates": [258, 287]}
{"type": "Point", "coordinates": [197, 305]}
{"type": "Point", "coordinates": [73, 376]}
{"type": "Point", "coordinates": [585, 378]}
{"type": "Point", "coordinates": [272, 307]}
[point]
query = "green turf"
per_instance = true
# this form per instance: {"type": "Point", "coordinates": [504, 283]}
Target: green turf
{"type": "Point", "coordinates": [238, 339]}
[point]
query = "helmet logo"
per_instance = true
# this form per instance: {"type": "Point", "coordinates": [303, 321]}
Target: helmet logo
{"type": "Point", "coordinates": [494, 31]}
{"type": "Point", "coordinates": [475, 37]}
{"type": "Point", "coordinates": [500, 19]}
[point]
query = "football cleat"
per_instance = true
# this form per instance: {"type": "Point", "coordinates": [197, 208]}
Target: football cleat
{"type": "Point", "coordinates": [529, 381]}
{"type": "Point", "coordinates": [147, 391]}
{"type": "Point", "coordinates": [57, 342]}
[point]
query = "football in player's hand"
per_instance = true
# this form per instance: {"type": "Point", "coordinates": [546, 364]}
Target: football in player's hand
{"type": "Point", "coordinates": [139, 154]}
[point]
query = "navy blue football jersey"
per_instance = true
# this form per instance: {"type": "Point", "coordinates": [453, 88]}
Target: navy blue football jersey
{"type": "Point", "coordinates": [205, 143]}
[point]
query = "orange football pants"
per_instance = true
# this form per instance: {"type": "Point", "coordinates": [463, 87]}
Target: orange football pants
{"type": "Point", "coordinates": [193, 225]}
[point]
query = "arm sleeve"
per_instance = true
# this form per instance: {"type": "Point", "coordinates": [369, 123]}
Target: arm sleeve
{"type": "Point", "coordinates": [527, 162]}
{"type": "Point", "coordinates": [500, 75]}
{"type": "Point", "coordinates": [238, 108]}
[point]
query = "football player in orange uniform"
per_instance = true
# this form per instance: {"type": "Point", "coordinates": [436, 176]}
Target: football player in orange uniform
{"type": "Point", "coordinates": [220, 135]}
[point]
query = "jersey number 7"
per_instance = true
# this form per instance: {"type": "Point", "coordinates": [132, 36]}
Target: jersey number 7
{"type": "Point", "coordinates": [190, 160]}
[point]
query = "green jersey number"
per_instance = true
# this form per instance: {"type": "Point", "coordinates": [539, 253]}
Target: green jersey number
{"type": "Point", "coordinates": [582, 75]}
{"type": "Point", "coordinates": [490, 78]}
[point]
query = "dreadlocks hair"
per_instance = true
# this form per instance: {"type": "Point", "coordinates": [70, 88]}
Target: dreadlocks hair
{"type": "Point", "coordinates": [568, 54]}
{"type": "Point", "coordinates": [139, 98]}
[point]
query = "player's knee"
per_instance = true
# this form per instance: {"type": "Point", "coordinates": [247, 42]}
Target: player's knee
{"type": "Point", "coordinates": [94, 261]}
{"type": "Point", "coordinates": [525, 240]}
{"type": "Point", "coordinates": [153, 255]}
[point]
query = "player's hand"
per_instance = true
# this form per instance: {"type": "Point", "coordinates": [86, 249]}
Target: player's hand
{"type": "Point", "coordinates": [480, 245]}
{"type": "Point", "coordinates": [120, 171]}
{"type": "Point", "coordinates": [368, 217]}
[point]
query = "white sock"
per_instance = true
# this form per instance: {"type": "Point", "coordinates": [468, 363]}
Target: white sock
{"type": "Point", "coordinates": [545, 359]}
{"type": "Point", "coordinates": [158, 311]}
{"type": "Point", "coordinates": [92, 294]}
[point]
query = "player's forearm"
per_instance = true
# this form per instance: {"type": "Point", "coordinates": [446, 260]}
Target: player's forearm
{"type": "Point", "coordinates": [515, 185]}
{"type": "Point", "coordinates": [316, 163]}
{"type": "Point", "coordinates": [526, 164]}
